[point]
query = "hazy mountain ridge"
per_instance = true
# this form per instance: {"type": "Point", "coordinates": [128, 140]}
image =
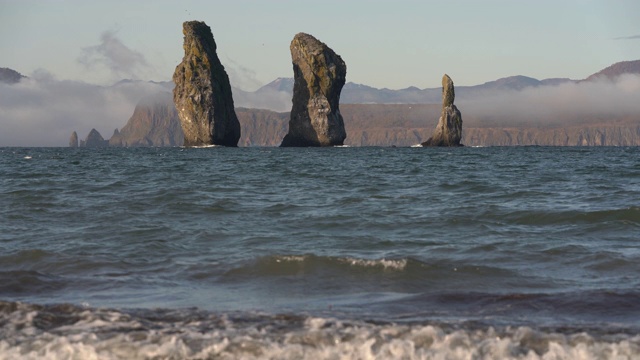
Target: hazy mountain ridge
{"type": "Point", "coordinates": [10, 76]}
{"type": "Point", "coordinates": [617, 69]}
{"type": "Point", "coordinates": [518, 110]}
{"type": "Point", "coordinates": [354, 93]}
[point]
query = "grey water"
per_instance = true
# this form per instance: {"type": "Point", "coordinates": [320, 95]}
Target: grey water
{"type": "Point", "coordinates": [498, 252]}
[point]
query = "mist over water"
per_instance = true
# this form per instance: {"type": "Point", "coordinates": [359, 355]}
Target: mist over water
{"type": "Point", "coordinates": [366, 252]}
{"type": "Point", "coordinates": [43, 111]}
{"type": "Point", "coordinates": [571, 103]}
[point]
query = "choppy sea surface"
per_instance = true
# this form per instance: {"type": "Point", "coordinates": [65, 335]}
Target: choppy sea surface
{"type": "Point", "coordinates": [358, 253]}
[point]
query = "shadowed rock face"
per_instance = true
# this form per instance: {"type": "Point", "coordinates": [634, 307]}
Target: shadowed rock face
{"type": "Point", "coordinates": [202, 94]}
{"type": "Point", "coordinates": [448, 132]}
{"type": "Point", "coordinates": [94, 139]}
{"type": "Point", "coordinates": [319, 75]}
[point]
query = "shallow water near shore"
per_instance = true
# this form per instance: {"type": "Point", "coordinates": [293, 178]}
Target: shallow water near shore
{"type": "Point", "coordinates": [499, 252]}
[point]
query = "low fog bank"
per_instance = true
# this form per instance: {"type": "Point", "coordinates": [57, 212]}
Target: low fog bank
{"type": "Point", "coordinates": [278, 101]}
{"type": "Point", "coordinates": [43, 111]}
{"type": "Point", "coordinates": [570, 103]}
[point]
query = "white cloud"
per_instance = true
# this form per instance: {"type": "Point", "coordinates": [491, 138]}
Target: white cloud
{"type": "Point", "coordinates": [119, 59]}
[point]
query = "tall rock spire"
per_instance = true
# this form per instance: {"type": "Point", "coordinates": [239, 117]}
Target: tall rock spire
{"type": "Point", "coordinates": [319, 75]}
{"type": "Point", "coordinates": [202, 92]}
{"type": "Point", "coordinates": [448, 132]}
{"type": "Point", "coordinates": [73, 140]}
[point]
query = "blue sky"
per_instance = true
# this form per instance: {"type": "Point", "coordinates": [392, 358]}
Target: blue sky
{"type": "Point", "coordinates": [392, 44]}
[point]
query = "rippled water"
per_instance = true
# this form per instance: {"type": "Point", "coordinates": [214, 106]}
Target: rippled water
{"type": "Point", "coordinates": [357, 252]}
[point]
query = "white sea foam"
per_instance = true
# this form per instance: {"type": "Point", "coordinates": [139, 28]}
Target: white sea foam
{"type": "Point", "coordinates": [391, 264]}
{"type": "Point", "coordinates": [399, 264]}
{"type": "Point", "coordinates": [109, 335]}
{"type": "Point", "coordinates": [201, 146]}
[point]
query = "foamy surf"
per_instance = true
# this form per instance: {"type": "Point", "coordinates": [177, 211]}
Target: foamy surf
{"type": "Point", "coordinates": [391, 264]}
{"type": "Point", "coordinates": [65, 331]}
{"type": "Point", "coordinates": [399, 264]}
{"type": "Point", "coordinates": [201, 146]}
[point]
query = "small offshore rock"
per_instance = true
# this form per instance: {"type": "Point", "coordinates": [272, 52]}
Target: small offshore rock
{"type": "Point", "coordinates": [319, 75]}
{"type": "Point", "coordinates": [448, 132]}
{"type": "Point", "coordinates": [73, 140]}
{"type": "Point", "coordinates": [95, 140]}
{"type": "Point", "coordinates": [202, 92]}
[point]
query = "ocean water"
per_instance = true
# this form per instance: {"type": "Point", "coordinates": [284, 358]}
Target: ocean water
{"type": "Point", "coordinates": [339, 253]}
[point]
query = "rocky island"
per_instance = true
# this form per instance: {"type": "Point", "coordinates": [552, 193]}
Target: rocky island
{"type": "Point", "coordinates": [319, 75]}
{"type": "Point", "coordinates": [94, 140]}
{"type": "Point", "coordinates": [202, 93]}
{"type": "Point", "coordinates": [448, 132]}
{"type": "Point", "coordinates": [73, 140]}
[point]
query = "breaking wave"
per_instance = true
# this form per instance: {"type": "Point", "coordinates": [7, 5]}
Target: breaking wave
{"type": "Point", "coordinates": [283, 264]}
{"type": "Point", "coordinates": [67, 331]}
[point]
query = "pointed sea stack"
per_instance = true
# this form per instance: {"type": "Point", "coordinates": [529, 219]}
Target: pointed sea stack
{"type": "Point", "coordinates": [202, 93]}
{"type": "Point", "coordinates": [319, 75]}
{"type": "Point", "coordinates": [448, 132]}
{"type": "Point", "coordinates": [73, 140]}
{"type": "Point", "coordinates": [95, 140]}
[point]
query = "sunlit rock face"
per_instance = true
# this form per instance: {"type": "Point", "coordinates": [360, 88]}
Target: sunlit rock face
{"type": "Point", "coordinates": [154, 122]}
{"type": "Point", "coordinates": [202, 93]}
{"type": "Point", "coordinates": [448, 132]}
{"type": "Point", "coordinates": [319, 75]}
{"type": "Point", "coordinates": [73, 140]}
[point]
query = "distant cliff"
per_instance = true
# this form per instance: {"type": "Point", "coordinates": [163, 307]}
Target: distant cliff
{"type": "Point", "coordinates": [404, 125]}
{"type": "Point", "coordinates": [590, 135]}
{"type": "Point", "coordinates": [262, 127]}
{"type": "Point", "coordinates": [154, 122]}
